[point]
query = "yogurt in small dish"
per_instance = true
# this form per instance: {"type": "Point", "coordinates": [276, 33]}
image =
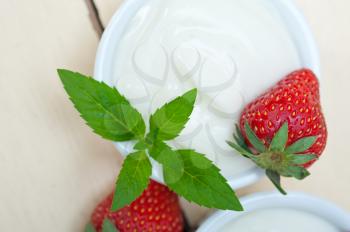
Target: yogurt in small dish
{"type": "Point", "coordinates": [230, 50]}
{"type": "Point", "coordinates": [272, 212]}
{"type": "Point", "coordinates": [278, 219]}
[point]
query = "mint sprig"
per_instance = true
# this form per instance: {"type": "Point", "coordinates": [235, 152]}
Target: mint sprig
{"type": "Point", "coordinates": [186, 172]}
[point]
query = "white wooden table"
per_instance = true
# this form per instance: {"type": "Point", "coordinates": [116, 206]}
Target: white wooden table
{"type": "Point", "coordinates": [53, 169]}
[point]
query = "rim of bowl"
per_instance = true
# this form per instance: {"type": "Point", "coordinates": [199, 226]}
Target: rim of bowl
{"type": "Point", "coordinates": [294, 200]}
{"type": "Point", "coordinates": [294, 21]}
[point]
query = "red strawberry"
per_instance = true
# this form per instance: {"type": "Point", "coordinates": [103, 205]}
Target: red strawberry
{"type": "Point", "coordinates": [284, 128]}
{"type": "Point", "coordinates": [157, 209]}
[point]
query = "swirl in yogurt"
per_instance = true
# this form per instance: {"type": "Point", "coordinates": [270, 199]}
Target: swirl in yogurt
{"type": "Point", "coordinates": [231, 50]}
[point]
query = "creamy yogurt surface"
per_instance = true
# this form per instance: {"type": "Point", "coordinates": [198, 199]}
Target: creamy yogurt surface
{"type": "Point", "coordinates": [231, 50]}
{"type": "Point", "coordinates": [278, 220]}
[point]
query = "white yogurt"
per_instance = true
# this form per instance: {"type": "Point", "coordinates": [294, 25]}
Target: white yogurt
{"type": "Point", "coordinates": [278, 220]}
{"type": "Point", "coordinates": [231, 50]}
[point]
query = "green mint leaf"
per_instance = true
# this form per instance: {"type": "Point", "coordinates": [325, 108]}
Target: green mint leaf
{"type": "Point", "coordinates": [173, 166]}
{"type": "Point", "coordinates": [279, 141]}
{"type": "Point", "coordinates": [108, 226]}
{"type": "Point", "coordinates": [299, 159]}
{"type": "Point", "coordinates": [253, 139]}
{"type": "Point", "coordinates": [203, 184]}
{"type": "Point", "coordinates": [301, 145]}
{"type": "Point", "coordinates": [168, 121]}
{"type": "Point", "coordinates": [133, 179]}
{"type": "Point", "coordinates": [89, 228]}
{"type": "Point", "coordinates": [276, 180]}
{"type": "Point", "coordinates": [104, 109]}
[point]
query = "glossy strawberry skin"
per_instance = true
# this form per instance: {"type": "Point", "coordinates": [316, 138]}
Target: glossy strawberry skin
{"type": "Point", "coordinates": [157, 209]}
{"type": "Point", "coordinates": [296, 100]}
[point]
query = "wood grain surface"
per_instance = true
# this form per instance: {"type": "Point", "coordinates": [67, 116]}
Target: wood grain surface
{"type": "Point", "coordinates": [53, 169]}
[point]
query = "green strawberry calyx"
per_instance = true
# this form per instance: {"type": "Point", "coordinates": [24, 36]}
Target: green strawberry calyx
{"type": "Point", "coordinates": [277, 159]}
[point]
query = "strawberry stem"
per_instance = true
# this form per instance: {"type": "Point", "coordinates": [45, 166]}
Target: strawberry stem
{"type": "Point", "coordinates": [276, 180]}
{"type": "Point", "coordinates": [278, 160]}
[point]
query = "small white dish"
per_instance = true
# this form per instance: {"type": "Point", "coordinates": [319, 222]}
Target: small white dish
{"type": "Point", "coordinates": [296, 201]}
{"type": "Point", "coordinates": [294, 21]}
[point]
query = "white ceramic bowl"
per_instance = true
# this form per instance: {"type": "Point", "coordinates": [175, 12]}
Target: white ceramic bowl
{"type": "Point", "coordinates": [298, 201]}
{"type": "Point", "coordinates": [294, 21]}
